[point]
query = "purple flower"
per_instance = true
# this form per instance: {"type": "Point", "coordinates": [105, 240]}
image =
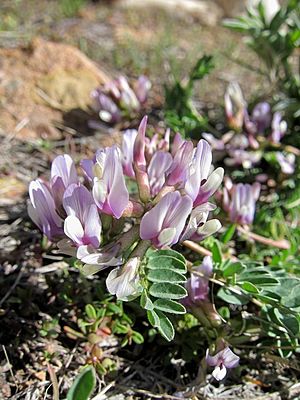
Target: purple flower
{"type": "Point", "coordinates": [63, 174]}
{"type": "Point", "coordinates": [201, 183]}
{"type": "Point", "coordinates": [246, 158]}
{"type": "Point", "coordinates": [142, 87]}
{"type": "Point", "coordinates": [128, 99]}
{"type": "Point", "coordinates": [198, 286]}
{"type": "Point", "coordinates": [240, 202]}
{"type": "Point", "coordinates": [279, 128]}
{"type": "Point", "coordinates": [261, 116]}
{"type": "Point", "coordinates": [158, 168]}
{"type": "Point", "coordinates": [128, 139]}
{"type": "Point", "coordinates": [164, 223]}
{"type": "Point", "coordinates": [155, 143]}
{"type": "Point", "coordinates": [182, 158]}
{"type": "Point", "coordinates": [88, 168]}
{"type": "Point", "coordinates": [109, 189]}
{"type": "Point", "coordinates": [139, 144]}
{"type": "Point", "coordinates": [106, 107]}
{"type": "Point", "coordinates": [140, 163]}
{"type": "Point", "coordinates": [177, 142]}
{"type": "Point", "coordinates": [287, 163]}
{"type": "Point", "coordinates": [124, 281]}
{"type": "Point", "coordinates": [117, 98]}
{"type": "Point", "coordinates": [217, 144]}
{"type": "Point", "coordinates": [234, 106]}
{"type": "Point", "coordinates": [82, 225]}
{"type": "Point", "coordinates": [42, 210]}
{"type": "Point", "coordinates": [198, 228]}
{"type": "Point", "coordinates": [223, 360]}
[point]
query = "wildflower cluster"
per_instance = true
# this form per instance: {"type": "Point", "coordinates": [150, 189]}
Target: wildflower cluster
{"type": "Point", "coordinates": [101, 223]}
{"type": "Point", "coordinates": [118, 99]}
{"type": "Point", "coordinates": [251, 133]}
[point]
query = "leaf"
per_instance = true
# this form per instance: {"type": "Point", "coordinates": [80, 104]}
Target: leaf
{"type": "Point", "coordinates": [137, 337]}
{"type": "Point", "coordinates": [83, 385]}
{"type": "Point", "coordinates": [233, 268]}
{"type": "Point", "coordinates": [286, 286]}
{"type": "Point", "coordinates": [165, 275]}
{"type": "Point", "coordinates": [167, 290]}
{"type": "Point", "coordinates": [249, 287]}
{"type": "Point", "coordinates": [262, 280]}
{"type": "Point", "coordinates": [168, 253]}
{"type": "Point", "coordinates": [203, 67]}
{"type": "Point", "coordinates": [165, 327]}
{"type": "Point", "coordinates": [228, 234]}
{"type": "Point", "coordinates": [146, 302]}
{"type": "Point", "coordinates": [169, 306]}
{"type": "Point", "coordinates": [153, 318]}
{"type": "Point", "coordinates": [216, 252]}
{"type": "Point", "coordinates": [293, 299]}
{"type": "Point", "coordinates": [258, 276]}
{"type": "Point", "coordinates": [268, 297]}
{"type": "Point", "coordinates": [166, 262]}
{"type": "Point", "coordinates": [285, 347]}
{"type": "Point", "coordinates": [232, 298]}
{"type": "Point", "coordinates": [288, 321]}
{"type": "Point", "coordinates": [90, 311]}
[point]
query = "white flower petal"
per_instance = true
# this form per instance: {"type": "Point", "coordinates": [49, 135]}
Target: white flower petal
{"type": "Point", "coordinates": [73, 229]}
{"type": "Point", "coordinates": [219, 373]}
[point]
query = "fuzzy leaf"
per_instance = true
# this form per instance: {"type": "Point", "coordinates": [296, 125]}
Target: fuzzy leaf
{"type": "Point", "coordinates": [146, 302]}
{"type": "Point", "coordinates": [167, 253]}
{"type": "Point", "coordinates": [293, 299]}
{"type": "Point", "coordinates": [233, 268]}
{"type": "Point", "coordinates": [165, 327]}
{"type": "Point", "coordinates": [232, 298]}
{"type": "Point", "coordinates": [166, 262]}
{"type": "Point", "coordinates": [169, 306]}
{"type": "Point", "coordinates": [165, 275]}
{"type": "Point", "coordinates": [83, 385]}
{"type": "Point", "coordinates": [167, 290]}
{"type": "Point", "coordinates": [249, 287]}
{"type": "Point", "coordinates": [153, 318]}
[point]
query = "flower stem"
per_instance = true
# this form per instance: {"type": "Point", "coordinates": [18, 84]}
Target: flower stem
{"type": "Point", "coordinates": [128, 238]}
{"type": "Point", "coordinates": [281, 244]}
{"type": "Point", "coordinates": [197, 248]}
{"type": "Point", "coordinates": [141, 249]}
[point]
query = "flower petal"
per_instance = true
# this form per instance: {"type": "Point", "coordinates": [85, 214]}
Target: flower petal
{"type": "Point", "coordinates": [219, 372]}
{"type": "Point", "coordinates": [73, 229]}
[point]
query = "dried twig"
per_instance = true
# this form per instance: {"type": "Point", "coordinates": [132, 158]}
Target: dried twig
{"type": "Point", "coordinates": [54, 382]}
{"type": "Point", "coordinates": [12, 288]}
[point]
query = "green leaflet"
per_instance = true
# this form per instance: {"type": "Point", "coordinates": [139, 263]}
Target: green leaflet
{"type": "Point", "coordinates": [165, 275]}
{"type": "Point", "coordinates": [167, 290]}
{"type": "Point", "coordinates": [166, 262]}
{"type": "Point", "coordinates": [233, 268]}
{"type": "Point", "coordinates": [228, 234]}
{"type": "Point", "coordinates": [232, 298]}
{"type": "Point", "coordinates": [160, 321]}
{"type": "Point", "coordinates": [167, 253]}
{"type": "Point", "coordinates": [170, 306]}
{"type": "Point", "coordinates": [83, 385]}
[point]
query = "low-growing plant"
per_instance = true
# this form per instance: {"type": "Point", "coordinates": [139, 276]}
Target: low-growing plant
{"type": "Point", "coordinates": [273, 33]}
{"type": "Point", "coordinates": [133, 205]}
